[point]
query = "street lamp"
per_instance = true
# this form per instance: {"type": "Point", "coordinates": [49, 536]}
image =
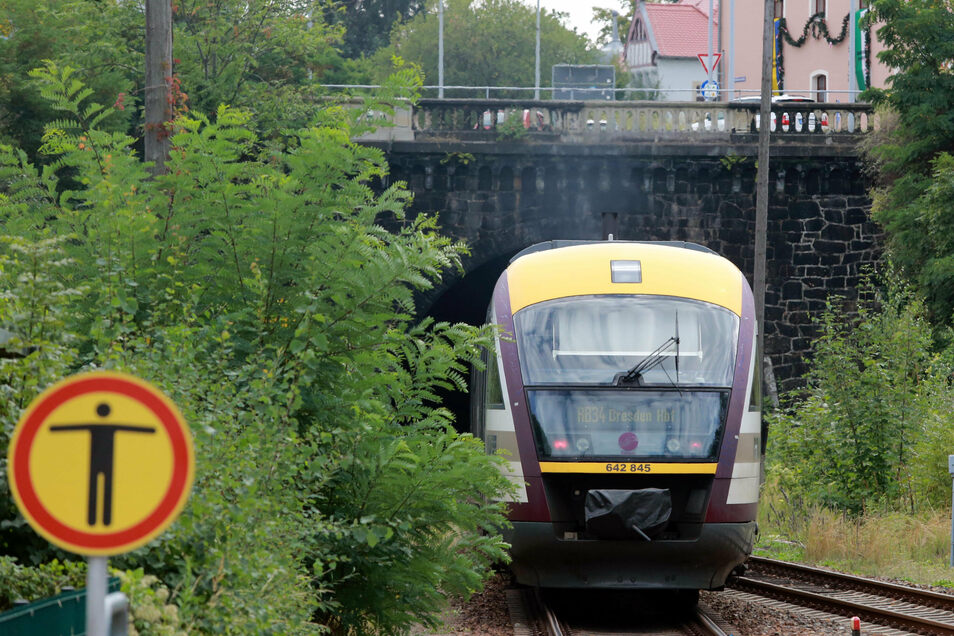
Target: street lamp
{"type": "Point", "coordinates": [536, 80]}
{"type": "Point", "coordinates": [440, 49]}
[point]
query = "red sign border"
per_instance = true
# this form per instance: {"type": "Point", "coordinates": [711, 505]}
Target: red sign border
{"type": "Point", "coordinates": [114, 542]}
{"type": "Point", "coordinates": [704, 56]}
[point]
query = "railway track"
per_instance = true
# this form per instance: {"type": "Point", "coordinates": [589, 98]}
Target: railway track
{"type": "Point", "coordinates": [891, 606]}
{"type": "Point", "coordinates": [553, 618]}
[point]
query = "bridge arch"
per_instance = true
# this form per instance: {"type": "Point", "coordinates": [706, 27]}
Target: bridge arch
{"type": "Point", "coordinates": [503, 196]}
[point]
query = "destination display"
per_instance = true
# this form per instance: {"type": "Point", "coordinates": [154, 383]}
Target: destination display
{"type": "Point", "coordinates": [625, 425]}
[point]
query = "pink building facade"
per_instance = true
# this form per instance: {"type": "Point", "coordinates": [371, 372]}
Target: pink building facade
{"type": "Point", "coordinates": [820, 67]}
{"type": "Point", "coordinates": [814, 53]}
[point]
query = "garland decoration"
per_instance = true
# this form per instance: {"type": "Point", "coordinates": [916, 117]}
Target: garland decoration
{"type": "Point", "coordinates": [819, 28]}
{"type": "Point", "coordinates": [868, 54]}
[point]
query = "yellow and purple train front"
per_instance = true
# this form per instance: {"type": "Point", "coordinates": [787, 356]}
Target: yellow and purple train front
{"type": "Point", "coordinates": [622, 389]}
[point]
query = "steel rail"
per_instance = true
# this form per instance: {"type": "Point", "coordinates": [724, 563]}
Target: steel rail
{"type": "Point", "coordinates": [901, 618]}
{"type": "Point", "coordinates": [550, 622]}
{"type": "Point", "coordinates": [928, 598]}
{"type": "Point", "coordinates": [708, 624]}
{"type": "Point", "coordinates": [699, 623]}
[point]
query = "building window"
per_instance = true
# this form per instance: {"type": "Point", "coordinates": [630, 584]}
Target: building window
{"type": "Point", "coordinates": [639, 32]}
{"type": "Point", "coordinates": [820, 87]}
{"type": "Point", "coordinates": [818, 6]}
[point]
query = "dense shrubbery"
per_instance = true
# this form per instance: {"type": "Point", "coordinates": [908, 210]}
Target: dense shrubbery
{"type": "Point", "coordinates": [20, 582]}
{"type": "Point", "coordinates": [877, 422]}
{"type": "Point", "coordinates": [254, 284]}
{"type": "Point", "coordinates": [913, 197]}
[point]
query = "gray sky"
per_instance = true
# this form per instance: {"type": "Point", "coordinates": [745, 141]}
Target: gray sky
{"type": "Point", "coordinates": [580, 12]}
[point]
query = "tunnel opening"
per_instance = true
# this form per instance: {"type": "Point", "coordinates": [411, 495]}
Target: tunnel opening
{"type": "Point", "coordinates": [466, 301]}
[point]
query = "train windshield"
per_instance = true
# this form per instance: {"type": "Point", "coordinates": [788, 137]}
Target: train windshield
{"type": "Point", "coordinates": [594, 339]}
{"type": "Point", "coordinates": [623, 424]}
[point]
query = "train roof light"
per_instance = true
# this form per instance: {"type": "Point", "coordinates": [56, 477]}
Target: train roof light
{"type": "Point", "coordinates": [626, 272]}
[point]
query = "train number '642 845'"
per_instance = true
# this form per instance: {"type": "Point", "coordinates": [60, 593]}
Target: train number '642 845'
{"type": "Point", "coordinates": [629, 468]}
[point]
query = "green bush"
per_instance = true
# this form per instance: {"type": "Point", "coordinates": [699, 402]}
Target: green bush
{"type": "Point", "coordinates": [149, 613]}
{"type": "Point", "coordinates": [19, 582]}
{"type": "Point", "coordinates": [876, 418]}
{"type": "Point", "coordinates": [512, 128]}
{"type": "Point", "coordinates": [269, 291]}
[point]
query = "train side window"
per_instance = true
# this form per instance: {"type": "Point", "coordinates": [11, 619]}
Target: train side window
{"type": "Point", "coordinates": [493, 396]}
{"type": "Point", "coordinates": [755, 399]}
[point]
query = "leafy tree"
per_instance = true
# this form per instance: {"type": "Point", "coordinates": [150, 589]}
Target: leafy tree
{"type": "Point", "coordinates": [266, 55]}
{"type": "Point", "coordinates": [877, 403]}
{"type": "Point", "coordinates": [368, 23]}
{"type": "Point", "coordinates": [487, 43]}
{"type": "Point", "coordinates": [256, 285]}
{"type": "Point", "coordinates": [604, 16]}
{"type": "Point", "coordinates": [912, 158]}
{"type": "Point", "coordinates": [95, 38]}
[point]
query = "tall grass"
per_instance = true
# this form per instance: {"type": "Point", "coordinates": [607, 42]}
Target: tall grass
{"type": "Point", "coordinates": [912, 547]}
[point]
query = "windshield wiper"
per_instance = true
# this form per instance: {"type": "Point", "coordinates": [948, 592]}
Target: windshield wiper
{"type": "Point", "coordinates": [647, 363]}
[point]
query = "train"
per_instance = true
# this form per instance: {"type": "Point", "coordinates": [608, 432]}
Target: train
{"type": "Point", "coordinates": [624, 391]}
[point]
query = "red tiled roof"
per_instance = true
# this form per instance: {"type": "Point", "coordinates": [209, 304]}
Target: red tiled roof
{"type": "Point", "coordinates": [681, 30]}
{"type": "Point", "coordinates": [703, 5]}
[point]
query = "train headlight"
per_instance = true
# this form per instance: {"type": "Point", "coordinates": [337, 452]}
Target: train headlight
{"type": "Point", "coordinates": [626, 272]}
{"type": "Point", "coordinates": [673, 445]}
{"type": "Point", "coordinates": [582, 444]}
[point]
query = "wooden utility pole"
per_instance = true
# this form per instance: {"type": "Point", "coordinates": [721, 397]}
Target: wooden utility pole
{"type": "Point", "coordinates": [762, 177]}
{"type": "Point", "coordinates": [158, 82]}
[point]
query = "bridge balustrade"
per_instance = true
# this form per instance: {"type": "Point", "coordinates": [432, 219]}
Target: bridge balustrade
{"type": "Point", "coordinates": [597, 122]}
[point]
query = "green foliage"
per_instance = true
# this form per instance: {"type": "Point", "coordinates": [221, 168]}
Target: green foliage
{"type": "Point", "coordinates": [878, 403]}
{"type": "Point", "coordinates": [911, 157]}
{"type": "Point", "coordinates": [512, 127]}
{"type": "Point", "coordinates": [486, 44]}
{"type": "Point", "coordinates": [269, 56]}
{"type": "Point", "coordinates": [730, 161]}
{"type": "Point", "coordinates": [149, 612]}
{"type": "Point", "coordinates": [93, 36]}
{"type": "Point", "coordinates": [604, 17]}
{"type": "Point", "coordinates": [268, 289]}
{"type": "Point", "coordinates": [648, 81]}
{"type": "Point", "coordinates": [19, 582]}
{"type": "Point", "coordinates": [39, 350]}
{"type": "Point", "coordinates": [368, 23]}
{"type": "Point", "coordinates": [461, 158]}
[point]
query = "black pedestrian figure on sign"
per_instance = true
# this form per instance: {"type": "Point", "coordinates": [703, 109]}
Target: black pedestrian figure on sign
{"type": "Point", "coordinates": [101, 458]}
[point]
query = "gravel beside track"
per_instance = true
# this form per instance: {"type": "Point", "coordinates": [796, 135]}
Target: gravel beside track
{"type": "Point", "coordinates": [487, 614]}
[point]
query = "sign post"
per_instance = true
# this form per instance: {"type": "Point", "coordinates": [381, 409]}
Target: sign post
{"type": "Point", "coordinates": [950, 469]}
{"type": "Point", "coordinates": [100, 464]}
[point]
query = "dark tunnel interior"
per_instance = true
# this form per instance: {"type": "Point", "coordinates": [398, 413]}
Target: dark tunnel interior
{"type": "Point", "coordinates": [466, 301]}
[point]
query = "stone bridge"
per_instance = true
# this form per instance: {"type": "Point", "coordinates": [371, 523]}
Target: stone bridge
{"type": "Point", "coordinates": [505, 174]}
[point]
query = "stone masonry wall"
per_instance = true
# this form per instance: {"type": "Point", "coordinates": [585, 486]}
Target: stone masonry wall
{"type": "Point", "coordinates": [820, 237]}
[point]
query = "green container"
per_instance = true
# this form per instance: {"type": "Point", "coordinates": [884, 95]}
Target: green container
{"type": "Point", "coordinates": [60, 615]}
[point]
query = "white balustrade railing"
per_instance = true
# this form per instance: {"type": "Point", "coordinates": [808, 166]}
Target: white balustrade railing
{"type": "Point", "coordinates": [585, 122]}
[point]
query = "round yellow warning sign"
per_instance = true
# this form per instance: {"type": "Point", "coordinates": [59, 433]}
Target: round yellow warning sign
{"type": "Point", "coordinates": [101, 463]}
